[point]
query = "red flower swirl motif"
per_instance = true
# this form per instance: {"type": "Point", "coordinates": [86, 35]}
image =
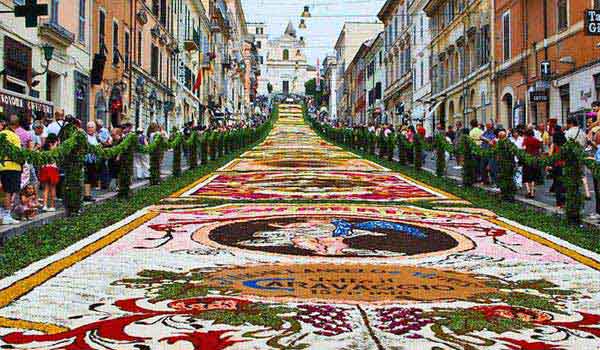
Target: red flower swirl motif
{"type": "Point", "coordinates": [114, 329]}
{"type": "Point", "coordinates": [589, 323]}
{"type": "Point", "coordinates": [510, 312]}
{"type": "Point", "coordinates": [525, 345]}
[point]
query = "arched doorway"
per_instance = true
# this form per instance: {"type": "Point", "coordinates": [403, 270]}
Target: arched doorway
{"type": "Point", "coordinates": [471, 111]}
{"type": "Point", "coordinates": [442, 116]}
{"type": "Point", "coordinates": [451, 112]}
{"type": "Point", "coordinates": [507, 107]}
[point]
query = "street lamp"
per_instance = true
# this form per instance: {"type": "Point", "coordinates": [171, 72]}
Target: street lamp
{"type": "Point", "coordinates": [48, 54]}
{"type": "Point", "coordinates": [306, 12]}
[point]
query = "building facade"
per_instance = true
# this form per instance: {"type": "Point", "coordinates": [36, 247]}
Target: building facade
{"type": "Point", "coordinates": [30, 84]}
{"type": "Point", "coordinates": [330, 83]}
{"type": "Point", "coordinates": [374, 83]}
{"type": "Point", "coordinates": [287, 69]}
{"type": "Point", "coordinates": [397, 43]}
{"type": "Point", "coordinates": [261, 42]}
{"type": "Point", "coordinates": [420, 59]}
{"type": "Point", "coordinates": [356, 75]}
{"type": "Point", "coordinates": [350, 39]}
{"type": "Point", "coordinates": [461, 60]}
{"type": "Point", "coordinates": [545, 67]}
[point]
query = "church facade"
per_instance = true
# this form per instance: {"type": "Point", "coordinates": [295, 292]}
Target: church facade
{"type": "Point", "coordinates": [285, 65]}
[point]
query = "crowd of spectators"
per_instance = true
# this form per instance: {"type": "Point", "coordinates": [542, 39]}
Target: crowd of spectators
{"type": "Point", "coordinates": [536, 139]}
{"type": "Point", "coordinates": [28, 189]}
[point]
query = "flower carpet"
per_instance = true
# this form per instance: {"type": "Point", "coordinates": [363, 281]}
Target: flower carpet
{"type": "Point", "coordinates": [307, 257]}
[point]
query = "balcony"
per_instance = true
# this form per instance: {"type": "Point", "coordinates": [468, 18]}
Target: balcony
{"type": "Point", "coordinates": [54, 32]}
{"type": "Point", "coordinates": [193, 43]}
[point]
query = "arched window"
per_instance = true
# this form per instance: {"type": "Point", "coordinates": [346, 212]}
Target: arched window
{"type": "Point", "coordinates": [286, 54]}
{"type": "Point", "coordinates": [484, 104]}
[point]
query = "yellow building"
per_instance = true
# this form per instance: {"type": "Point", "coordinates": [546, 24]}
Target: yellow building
{"type": "Point", "coordinates": [460, 60]}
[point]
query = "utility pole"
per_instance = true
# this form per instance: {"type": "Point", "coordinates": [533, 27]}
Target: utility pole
{"type": "Point", "coordinates": [545, 9]}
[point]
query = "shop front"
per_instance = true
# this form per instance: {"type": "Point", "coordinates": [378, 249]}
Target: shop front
{"type": "Point", "coordinates": [24, 106]}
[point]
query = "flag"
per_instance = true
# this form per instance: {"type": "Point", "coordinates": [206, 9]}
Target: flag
{"type": "Point", "coordinates": [198, 81]}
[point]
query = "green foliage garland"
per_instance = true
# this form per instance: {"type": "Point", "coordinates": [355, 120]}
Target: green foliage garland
{"type": "Point", "coordinates": [156, 155]}
{"type": "Point", "coordinates": [418, 151]}
{"type": "Point", "coordinates": [440, 154]}
{"type": "Point", "coordinates": [390, 146]}
{"type": "Point", "coordinates": [506, 169]}
{"type": "Point", "coordinates": [126, 167]}
{"type": "Point", "coordinates": [572, 178]}
{"type": "Point", "coordinates": [177, 146]}
{"type": "Point", "coordinates": [469, 172]}
{"type": "Point", "coordinates": [403, 144]}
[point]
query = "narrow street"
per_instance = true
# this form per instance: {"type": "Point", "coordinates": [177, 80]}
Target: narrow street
{"type": "Point", "coordinates": [300, 244]}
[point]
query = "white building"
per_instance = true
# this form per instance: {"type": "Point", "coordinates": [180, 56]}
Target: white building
{"type": "Point", "coordinates": [330, 74]}
{"type": "Point", "coordinates": [420, 34]}
{"type": "Point", "coordinates": [286, 67]}
{"type": "Point", "coordinates": [27, 88]}
{"type": "Point", "coordinates": [261, 42]}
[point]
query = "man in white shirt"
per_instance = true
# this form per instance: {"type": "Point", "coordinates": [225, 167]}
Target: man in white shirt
{"type": "Point", "coordinates": [574, 132]}
{"type": "Point", "coordinates": [57, 125]}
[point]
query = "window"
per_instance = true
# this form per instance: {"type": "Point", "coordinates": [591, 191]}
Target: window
{"type": "Point", "coordinates": [17, 64]}
{"type": "Point", "coordinates": [160, 66]}
{"type": "Point", "coordinates": [506, 36]}
{"type": "Point", "coordinates": [163, 12]}
{"type": "Point", "coordinates": [422, 69]}
{"type": "Point", "coordinates": [483, 107]}
{"type": "Point", "coordinates": [484, 45]}
{"type": "Point", "coordinates": [286, 54]}
{"type": "Point", "coordinates": [563, 14]}
{"type": "Point", "coordinates": [101, 31]}
{"type": "Point", "coordinates": [81, 28]}
{"type": "Point", "coordinates": [154, 61]}
{"type": "Point", "coordinates": [155, 7]}
{"type": "Point", "coordinates": [139, 48]}
{"type": "Point", "coordinates": [115, 46]}
{"type": "Point", "coordinates": [395, 29]}
{"type": "Point", "coordinates": [421, 27]}
{"type": "Point", "coordinates": [564, 101]}
{"type": "Point", "coordinates": [126, 49]}
{"type": "Point", "coordinates": [53, 11]}
{"type": "Point", "coordinates": [258, 45]}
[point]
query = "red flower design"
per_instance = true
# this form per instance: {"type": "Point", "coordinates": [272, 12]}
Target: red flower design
{"type": "Point", "coordinates": [525, 345]}
{"type": "Point", "coordinates": [210, 340]}
{"type": "Point", "coordinates": [114, 329]}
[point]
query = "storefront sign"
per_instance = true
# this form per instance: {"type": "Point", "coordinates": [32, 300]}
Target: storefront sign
{"type": "Point", "coordinates": [538, 96]}
{"type": "Point", "coordinates": [181, 72]}
{"type": "Point", "coordinates": [545, 70]}
{"type": "Point", "coordinates": [14, 103]}
{"type": "Point", "coordinates": [592, 22]}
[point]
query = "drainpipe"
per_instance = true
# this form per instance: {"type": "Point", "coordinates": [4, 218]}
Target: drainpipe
{"type": "Point", "coordinates": [132, 43]}
{"type": "Point", "coordinates": [525, 72]}
{"type": "Point", "coordinates": [545, 3]}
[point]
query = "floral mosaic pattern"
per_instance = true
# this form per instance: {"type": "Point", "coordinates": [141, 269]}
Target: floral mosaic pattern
{"type": "Point", "coordinates": [346, 275]}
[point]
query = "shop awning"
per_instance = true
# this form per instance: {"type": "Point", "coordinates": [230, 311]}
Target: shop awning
{"type": "Point", "coordinates": [434, 109]}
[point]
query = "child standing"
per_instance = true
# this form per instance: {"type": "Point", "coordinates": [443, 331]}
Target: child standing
{"type": "Point", "coordinates": [50, 176]}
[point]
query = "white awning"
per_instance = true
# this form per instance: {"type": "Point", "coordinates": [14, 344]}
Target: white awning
{"type": "Point", "coordinates": [437, 105]}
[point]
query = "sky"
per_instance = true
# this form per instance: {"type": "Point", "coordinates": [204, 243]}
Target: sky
{"type": "Point", "coordinates": [323, 28]}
